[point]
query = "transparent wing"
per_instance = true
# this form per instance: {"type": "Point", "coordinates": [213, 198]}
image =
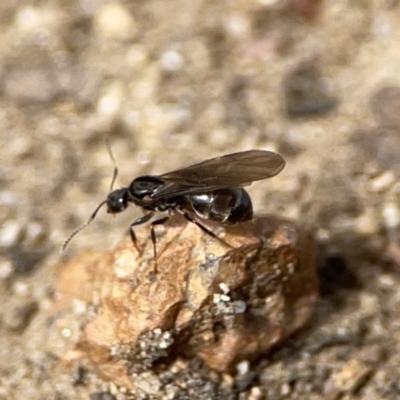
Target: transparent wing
{"type": "Point", "coordinates": [231, 170]}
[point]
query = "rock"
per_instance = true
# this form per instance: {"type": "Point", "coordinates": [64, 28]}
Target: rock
{"type": "Point", "coordinates": [379, 145]}
{"type": "Point", "coordinates": [308, 9]}
{"type": "Point", "coordinates": [82, 84]}
{"type": "Point", "coordinates": [102, 396]}
{"type": "Point", "coordinates": [31, 85]}
{"type": "Point", "coordinates": [306, 94]}
{"type": "Point", "coordinates": [353, 374]}
{"type": "Point", "coordinates": [18, 318]}
{"type": "Point", "coordinates": [206, 300]}
{"type": "Point", "coordinates": [25, 259]}
{"type": "Point", "coordinates": [385, 104]}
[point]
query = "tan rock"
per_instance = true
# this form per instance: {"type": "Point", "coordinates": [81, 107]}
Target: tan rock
{"type": "Point", "coordinates": [207, 300]}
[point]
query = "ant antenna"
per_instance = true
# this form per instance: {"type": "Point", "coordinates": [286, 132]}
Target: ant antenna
{"type": "Point", "coordinates": [115, 174]}
{"type": "Point", "coordinates": [92, 217]}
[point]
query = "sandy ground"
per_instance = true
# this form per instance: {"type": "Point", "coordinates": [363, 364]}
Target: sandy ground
{"type": "Point", "coordinates": [174, 81]}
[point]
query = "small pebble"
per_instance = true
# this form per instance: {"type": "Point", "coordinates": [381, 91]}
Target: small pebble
{"type": "Point", "coordinates": [115, 21]}
{"type": "Point", "coordinates": [381, 145]}
{"type": "Point", "coordinates": [383, 181]}
{"type": "Point", "coordinates": [148, 383]}
{"type": "Point", "coordinates": [386, 281]}
{"type": "Point", "coordinates": [306, 93]}
{"type": "Point", "coordinates": [224, 287]}
{"type": "Point", "coordinates": [31, 85]}
{"type": "Point", "coordinates": [110, 102]}
{"type": "Point", "coordinates": [351, 376]}
{"type": "Point", "coordinates": [217, 298]}
{"type": "Point", "coordinates": [10, 234]}
{"type": "Point", "coordinates": [225, 298]}
{"type": "Point", "coordinates": [21, 288]}
{"type": "Point", "coordinates": [243, 367]}
{"type": "Point", "coordinates": [66, 333]}
{"type": "Point", "coordinates": [391, 215]}
{"type": "Point", "coordinates": [255, 393]}
{"type": "Point", "coordinates": [34, 233]}
{"type": "Point", "coordinates": [385, 104]}
{"type": "Point", "coordinates": [79, 307]}
{"type": "Point", "coordinates": [238, 26]}
{"type": "Point", "coordinates": [28, 18]}
{"type": "Point", "coordinates": [6, 268]}
{"type": "Point", "coordinates": [171, 60]}
{"type": "Point", "coordinates": [19, 318]}
{"type": "Point", "coordinates": [101, 396]}
{"type": "Point", "coordinates": [137, 56]}
{"type": "Point", "coordinates": [239, 307]}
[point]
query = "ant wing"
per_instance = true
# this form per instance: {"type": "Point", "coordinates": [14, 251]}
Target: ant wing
{"type": "Point", "coordinates": [172, 189]}
{"type": "Point", "coordinates": [231, 170]}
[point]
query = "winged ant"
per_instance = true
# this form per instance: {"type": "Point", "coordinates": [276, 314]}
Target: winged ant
{"type": "Point", "coordinates": [210, 190]}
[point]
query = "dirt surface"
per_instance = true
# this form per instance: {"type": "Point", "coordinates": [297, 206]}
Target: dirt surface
{"type": "Point", "coordinates": [173, 82]}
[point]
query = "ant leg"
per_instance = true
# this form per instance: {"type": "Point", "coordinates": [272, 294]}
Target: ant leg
{"type": "Point", "coordinates": [153, 236]}
{"type": "Point", "coordinates": [153, 233]}
{"type": "Point", "coordinates": [203, 228]}
{"type": "Point", "coordinates": [138, 221]}
{"type": "Point", "coordinates": [134, 240]}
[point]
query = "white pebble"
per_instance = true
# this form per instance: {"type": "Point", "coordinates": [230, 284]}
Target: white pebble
{"type": "Point", "coordinates": [216, 298]}
{"type": "Point", "coordinates": [238, 25]}
{"type": "Point", "coordinates": [110, 103]}
{"type": "Point", "coordinates": [167, 335]}
{"type": "Point", "coordinates": [243, 367]}
{"type": "Point", "coordinates": [20, 288]}
{"type": "Point", "coordinates": [10, 234]}
{"type": "Point", "coordinates": [148, 383]}
{"type": "Point", "coordinates": [391, 215]}
{"type": "Point", "coordinates": [285, 389]}
{"type": "Point", "coordinates": [34, 231]}
{"type": "Point", "coordinates": [171, 60]}
{"type": "Point", "coordinates": [224, 287]}
{"type": "Point", "coordinates": [164, 345]}
{"type": "Point", "coordinates": [255, 393]}
{"type": "Point", "coordinates": [28, 18]}
{"type": "Point", "coordinates": [67, 333]}
{"type": "Point", "coordinates": [225, 298]}
{"type": "Point", "coordinates": [79, 306]}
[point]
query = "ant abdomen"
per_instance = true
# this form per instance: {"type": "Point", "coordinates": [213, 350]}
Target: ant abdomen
{"type": "Point", "coordinates": [229, 206]}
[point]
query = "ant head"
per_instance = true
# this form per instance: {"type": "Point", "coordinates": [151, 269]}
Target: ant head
{"type": "Point", "coordinates": [117, 200]}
